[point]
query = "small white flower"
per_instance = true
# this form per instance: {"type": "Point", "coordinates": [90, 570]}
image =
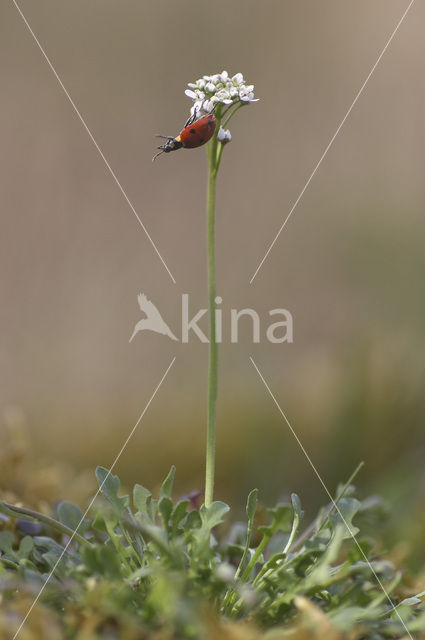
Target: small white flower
{"type": "Point", "coordinates": [224, 136]}
{"type": "Point", "coordinates": [246, 94]}
{"type": "Point", "coordinates": [224, 75]}
{"type": "Point", "coordinates": [223, 96]}
{"type": "Point", "coordinates": [191, 94]}
{"type": "Point", "coordinates": [196, 108]}
{"type": "Point", "coordinates": [238, 78]}
{"type": "Point", "coordinates": [208, 106]}
{"type": "Point", "coordinates": [202, 107]}
{"type": "Point", "coordinates": [210, 87]}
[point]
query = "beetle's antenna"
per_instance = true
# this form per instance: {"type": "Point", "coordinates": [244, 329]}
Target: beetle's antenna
{"type": "Point", "coordinates": [158, 135]}
{"type": "Point", "coordinates": [158, 154]}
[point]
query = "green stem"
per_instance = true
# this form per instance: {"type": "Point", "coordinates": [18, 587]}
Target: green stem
{"type": "Point", "coordinates": [259, 550]}
{"type": "Point", "coordinates": [213, 349]}
{"type": "Point", "coordinates": [29, 514]}
{"type": "Point", "coordinates": [232, 599]}
{"type": "Point", "coordinates": [266, 566]}
{"type": "Point", "coordinates": [220, 148]}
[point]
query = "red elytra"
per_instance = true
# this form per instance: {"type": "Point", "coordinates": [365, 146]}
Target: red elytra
{"type": "Point", "coordinates": [194, 134]}
{"type": "Point", "coordinates": [198, 133]}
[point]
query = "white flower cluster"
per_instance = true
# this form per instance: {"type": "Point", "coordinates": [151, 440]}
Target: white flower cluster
{"type": "Point", "coordinates": [208, 91]}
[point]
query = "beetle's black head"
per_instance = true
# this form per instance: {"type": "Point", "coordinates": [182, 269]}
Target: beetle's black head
{"type": "Point", "coordinates": [172, 144]}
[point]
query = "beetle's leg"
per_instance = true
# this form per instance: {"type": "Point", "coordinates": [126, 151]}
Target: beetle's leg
{"type": "Point", "coordinates": [191, 119]}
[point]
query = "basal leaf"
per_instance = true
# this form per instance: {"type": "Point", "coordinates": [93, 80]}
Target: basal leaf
{"type": "Point", "coordinates": [25, 547]}
{"type": "Point", "coordinates": [296, 504]}
{"type": "Point", "coordinates": [193, 521]}
{"type": "Point", "coordinates": [49, 544]}
{"type": "Point", "coordinates": [110, 485]}
{"type": "Point", "coordinates": [103, 560]}
{"type": "Point", "coordinates": [71, 515]}
{"type": "Point", "coordinates": [347, 509]}
{"type": "Point", "coordinates": [165, 508]}
{"type": "Point", "coordinates": [251, 506]}
{"type": "Point", "coordinates": [212, 516]}
{"type": "Point", "coordinates": [167, 485]}
{"type": "Point", "coordinates": [140, 498]}
{"type": "Point", "coordinates": [6, 542]}
{"type": "Point", "coordinates": [179, 513]}
{"type": "Point", "coordinates": [281, 520]}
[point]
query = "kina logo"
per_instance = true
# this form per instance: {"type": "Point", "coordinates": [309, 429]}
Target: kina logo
{"type": "Point", "coordinates": [276, 332]}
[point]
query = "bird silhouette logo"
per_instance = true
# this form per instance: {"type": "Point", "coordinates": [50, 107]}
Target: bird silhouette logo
{"type": "Point", "coordinates": [153, 320]}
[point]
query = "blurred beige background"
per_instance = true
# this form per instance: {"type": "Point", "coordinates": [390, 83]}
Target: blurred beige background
{"type": "Point", "coordinates": [349, 265]}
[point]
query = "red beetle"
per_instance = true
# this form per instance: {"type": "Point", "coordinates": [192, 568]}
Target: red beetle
{"type": "Point", "coordinates": [195, 133]}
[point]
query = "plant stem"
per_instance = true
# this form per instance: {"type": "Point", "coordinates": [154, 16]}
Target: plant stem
{"type": "Point", "coordinates": [213, 349]}
{"type": "Point", "coordinates": [214, 151]}
{"type": "Point", "coordinates": [29, 514]}
{"type": "Point", "coordinates": [259, 550]}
